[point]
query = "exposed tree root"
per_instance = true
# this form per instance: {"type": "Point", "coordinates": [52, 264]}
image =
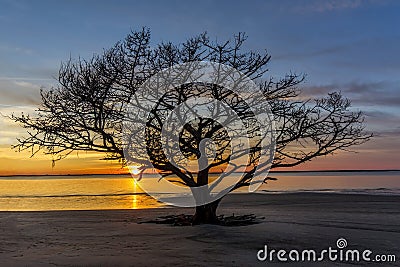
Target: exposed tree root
{"type": "Point", "coordinates": [187, 220]}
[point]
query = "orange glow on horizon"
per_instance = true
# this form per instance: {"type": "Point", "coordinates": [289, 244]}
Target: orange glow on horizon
{"type": "Point", "coordinates": [378, 155]}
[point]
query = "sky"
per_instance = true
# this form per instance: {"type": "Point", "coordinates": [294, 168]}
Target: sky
{"type": "Point", "coordinates": [341, 45]}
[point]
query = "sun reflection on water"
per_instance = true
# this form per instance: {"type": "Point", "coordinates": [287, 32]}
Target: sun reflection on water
{"type": "Point", "coordinates": [135, 196]}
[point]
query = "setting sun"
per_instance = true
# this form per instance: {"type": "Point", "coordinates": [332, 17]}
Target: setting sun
{"type": "Point", "coordinates": [134, 169]}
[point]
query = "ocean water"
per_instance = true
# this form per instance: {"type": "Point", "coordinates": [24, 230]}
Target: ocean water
{"type": "Point", "coordinates": [94, 192]}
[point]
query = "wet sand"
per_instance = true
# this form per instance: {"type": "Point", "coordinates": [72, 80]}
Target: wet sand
{"type": "Point", "coordinates": [115, 238]}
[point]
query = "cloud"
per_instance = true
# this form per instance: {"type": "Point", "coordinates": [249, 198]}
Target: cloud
{"type": "Point", "coordinates": [24, 78]}
{"type": "Point", "coordinates": [383, 123]}
{"type": "Point", "coordinates": [380, 115]}
{"type": "Point", "coordinates": [382, 143]}
{"type": "Point", "coordinates": [9, 130]}
{"type": "Point", "coordinates": [322, 6]}
{"type": "Point", "coordinates": [382, 93]}
{"type": "Point", "coordinates": [25, 84]}
{"type": "Point", "coordinates": [16, 49]}
{"type": "Point", "coordinates": [377, 55]}
{"type": "Point", "coordinates": [26, 62]}
{"type": "Point", "coordinates": [19, 92]}
{"type": "Point", "coordinates": [379, 101]}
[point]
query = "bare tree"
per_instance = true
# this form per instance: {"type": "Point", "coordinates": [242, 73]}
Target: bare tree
{"type": "Point", "coordinates": [86, 112]}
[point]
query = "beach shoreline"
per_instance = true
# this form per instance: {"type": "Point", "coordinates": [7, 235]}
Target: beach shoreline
{"type": "Point", "coordinates": [117, 238]}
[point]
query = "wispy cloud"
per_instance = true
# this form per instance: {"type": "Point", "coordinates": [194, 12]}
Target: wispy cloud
{"type": "Point", "coordinates": [328, 5]}
{"type": "Point", "coordinates": [19, 92]}
{"type": "Point", "coordinates": [16, 49]}
{"type": "Point", "coordinates": [379, 101]}
{"type": "Point", "coordinates": [9, 130]}
{"type": "Point", "coordinates": [323, 6]}
{"type": "Point", "coordinates": [24, 78]}
{"type": "Point", "coordinates": [383, 93]}
{"type": "Point", "coordinates": [383, 123]}
{"type": "Point", "coordinates": [313, 53]}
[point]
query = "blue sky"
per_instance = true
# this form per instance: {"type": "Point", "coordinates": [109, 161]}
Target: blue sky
{"type": "Point", "coordinates": [347, 45]}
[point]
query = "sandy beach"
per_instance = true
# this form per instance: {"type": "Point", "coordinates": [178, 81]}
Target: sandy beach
{"type": "Point", "coordinates": [116, 238]}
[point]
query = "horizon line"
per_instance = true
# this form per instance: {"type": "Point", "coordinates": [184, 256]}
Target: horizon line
{"type": "Point", "coordinates": [276, 171]}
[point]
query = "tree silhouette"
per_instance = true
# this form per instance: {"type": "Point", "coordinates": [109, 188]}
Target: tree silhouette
{"type": "Point", "coordinates": [87, 111]}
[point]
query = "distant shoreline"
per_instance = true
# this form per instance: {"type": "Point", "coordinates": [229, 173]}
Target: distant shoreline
{"type": "Point", "coordinates": [125, 174]}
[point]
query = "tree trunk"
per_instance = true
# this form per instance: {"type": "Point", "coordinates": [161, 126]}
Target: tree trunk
{"type": "Point", "coordinates": [206, 214]}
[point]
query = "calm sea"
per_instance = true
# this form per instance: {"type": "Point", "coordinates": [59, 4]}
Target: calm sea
{"type": "Point", "coordinates": [22, 193]}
